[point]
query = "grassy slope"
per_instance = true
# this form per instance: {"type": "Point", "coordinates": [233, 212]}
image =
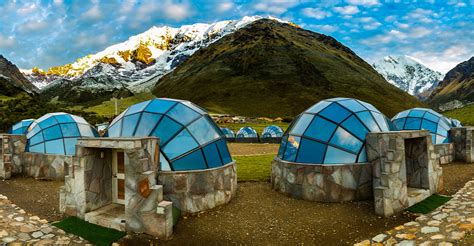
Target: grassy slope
{"type": "Point", "coordinates": [465, 114]}
{"type": "Point", "coordinates": [254, 168]}
{"type": "Point", "coordinates": [273, 69]}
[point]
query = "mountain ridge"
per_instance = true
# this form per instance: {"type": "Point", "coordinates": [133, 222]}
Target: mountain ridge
{"type": "Point", "coordinates": [12, 80]}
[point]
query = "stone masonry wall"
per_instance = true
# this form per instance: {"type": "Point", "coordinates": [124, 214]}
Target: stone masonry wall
{"type": "Point", "coordinates": [463, 140]}
{"type": "Point", "coordinates": [10, 151]}
{"type": "Point", "coordinates": [45, 166]}
{"type": "Point", "coordinates": [324, 183]}
{"type": "Point", "coordinates": [201, 190]}
{"type": "Point", "coordinates": [445, 152]}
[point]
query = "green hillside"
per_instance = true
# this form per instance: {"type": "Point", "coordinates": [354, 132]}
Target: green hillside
{"type": "Point", "coordinates": [465, 114]}
{"type": "Point", "coordinates": [274, 69]}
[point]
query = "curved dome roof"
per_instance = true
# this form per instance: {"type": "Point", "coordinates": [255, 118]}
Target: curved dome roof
{"type": "Point", "coordinates": [332, 131]}
{"type": "Point", "coordinates": [21, 127]}
{"type": "Point", "coordinates": [228, 132]}
{"type": "Point", "coordinates": [455, 123]}
{"type": "Point", "coordinates": [424, 118]}
{"type": "Point", "coordinates": [272, 131]}
{"type": "Point", "coordinates": [57, 133]}
{"type": "Point", "coordinates": [189, 139]}
{"type": "Point", "coordinates": [247, 132]}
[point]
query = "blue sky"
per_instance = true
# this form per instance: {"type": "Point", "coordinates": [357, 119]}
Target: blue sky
{"type": "Point", "coordinates": [54, 32]}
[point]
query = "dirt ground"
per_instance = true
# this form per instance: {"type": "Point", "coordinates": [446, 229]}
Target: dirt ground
{"type": "Point", "coordinates": [257, 215]}
{"type": "Point", "coordinates": [252, 149]}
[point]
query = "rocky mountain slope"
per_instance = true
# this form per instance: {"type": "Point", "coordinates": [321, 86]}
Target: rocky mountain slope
{"type": "Point", "coordinates": [12, 80]}
{"type": "Point", "coordinates": [456, 89]}
{"type": "Point", "coordinates": [276, 69]}
{"type": "Point", "coordinates": [137, 63]}
{"type": "Point", "coordinates": [408, 74]}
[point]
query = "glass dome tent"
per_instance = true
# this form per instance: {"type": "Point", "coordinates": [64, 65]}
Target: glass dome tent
{"type": "Point", "coordinates": [455, 123]}
{"type": "Point", "coordinates": [189, 139]}
{"type": "Point", "coordinates": [57, 133]}
{"type": "Point", "coordinates": [272, 131]}
{"type": "Point", "coordinates": [228, 132]}
{"type": "Point", "coordinates": [21, 127]}
{"type": "Point", "coordinates": [247, 132]}
{"type": "Point", "coordinates": [332, 131]}
{"type": "Point", "coordinates": [423, 118]}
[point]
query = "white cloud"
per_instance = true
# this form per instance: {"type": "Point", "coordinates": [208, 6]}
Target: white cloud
{"type": "Point", "coordinates": [84, 40]}
{"type": "Point", "coordinates": [347, 10]}
{"type": "Point", "coordinates": [93, 13]}
{"type": "Point", "coordinates": [275, 6]}
{"type": "Point", "coordinates": [177, 11]}
{"type": "Point", "coordinates": [419, 32]}
{"type": "Point", "coordinates": [324, 28]}
{"type": "Point", "coordinates": [7, 42]}
{"type": "Point", "coordinates": [127, 6]}
{"type": "Point", "coordinates": [402, 25]}
{"type": "Point", "coordinates": [316, 13]}
{"type": "Point", "coordinates": [366, 3]}
{"type": "Point", "coordinates": [445, 60]}
{"type": "Point", "coordinates": [32, 26]}
{"type": "Point", "coordinates": [372, 26]}
{"type": "Point", "coordinates": [58, 2]}
{"type": "Point", "coordinates": [392, 35]}
{"type": "Point", "coordinates": [28, 9]}
{"type": "Point", "coordinates": [225, 6]}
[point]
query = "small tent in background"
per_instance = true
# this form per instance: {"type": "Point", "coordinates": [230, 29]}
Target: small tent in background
{"type": "Point", "coordinates": [247, 135]}
{"type": "Point", "coordinates": [21, 127]}
{"type": "Point", "coordinates": [272, 134]}
{"type": "Point", "coordinates": [228, 133]}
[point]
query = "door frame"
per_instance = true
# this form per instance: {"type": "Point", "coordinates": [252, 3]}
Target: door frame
{"type": "Point", "coordinates": [117, 176]}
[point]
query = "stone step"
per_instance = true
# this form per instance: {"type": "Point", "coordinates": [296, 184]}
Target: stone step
{"type": "Point", "coordinates": [416, 195]}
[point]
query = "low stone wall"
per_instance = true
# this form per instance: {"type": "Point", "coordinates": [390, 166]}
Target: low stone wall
{"type": "Point", "coordinates": [445, 152]}
{"type": "Point", "coordinates": [246, 140]}
{"type": "Point", "coordinates": [199, 190]}
{"type": "Point", "coordinates": [463, 139]}
{"type": "Point", "coordinates": [45, 166]}
{"type": "Point", "coordinates": [10, 151]}
{"type": "Point", "coordinates": [323, 183]}
{"type": "Point", "coordinates": [271, 140]}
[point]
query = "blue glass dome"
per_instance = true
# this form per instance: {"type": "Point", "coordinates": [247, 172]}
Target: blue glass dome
{"type": "Point", "coordinates": [189, 139]}
{"type": "Point", "coordinates": [57, 133]}
{"type": "Point", "coordinates": [455, 123]}
{"type": "Point", "coordinates": [332, 131]}
{"type": "Point", "coordinates": [423, 118]}
{"type": "Point", "coordinates": [21, 127]}
{"type": "Point", "coordinates": [247, 132]}
{"type": "Point", "coordinates": [272, 132]}
{"type": "Point", "coordinates": [228, 133]}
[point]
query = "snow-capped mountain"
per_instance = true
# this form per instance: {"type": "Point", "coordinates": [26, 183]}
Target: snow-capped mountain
{"type": "Point", "coordinates": [408, 74]}
{"type": "Point", "coordinates": [140, 61]}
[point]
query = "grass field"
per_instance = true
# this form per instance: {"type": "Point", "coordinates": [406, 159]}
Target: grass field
{"type": "Point", "coordinates": [429, 204]}
{"type": "Point", "coordinates": [254, 168]}
{"type": "Point", "coordinates": [465, 115]}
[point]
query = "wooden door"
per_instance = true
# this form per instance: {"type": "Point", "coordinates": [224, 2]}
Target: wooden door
{"type": "Point", "coordinates": [118, 177]}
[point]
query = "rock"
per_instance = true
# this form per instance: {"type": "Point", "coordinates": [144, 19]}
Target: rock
{"type": "Point", "coordinates": [19, 219]}
{"type": "Point", "coordinates": [24, 236]}
{"type": "Point", "coordinates": [437, 237]}
{"type": "Point", "coordinates": [379, 238]}
{"type": "Point", "coordinates": [466, 227]}
{"type": "Point", "coordinates": [429, 229]}
{"type": "Point", "coordinates": [8, 239]}
{"type": "Point", "coordinates": [3, 233]}
{"type": "Point", "coordinates": [434, 223]}
{"type": "Point", "coordinates": [406, 243]}
{"type": "Point", "coordinates": [47, 230]}
{"type": "Point", "coordinates": [406, 236]}
{"type": "Point", "coordinates": [363, 243]}
{"type": "Point", "coordinates": [37, 234]}
{"type": "Point", "coordinates": [457, 235]}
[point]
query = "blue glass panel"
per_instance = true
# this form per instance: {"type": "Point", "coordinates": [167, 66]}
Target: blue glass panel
{"type": "Point", "coordinates": [183, 114]}
{"type": "Point", "coordinates": [165, 166]}
{"type": "Point", "coordinates": [380, 121]}
{"type": "Point", "coordinates": [35, 129]}
{"type": "Point", "coordinates": [433, 138]}
{"type": "Point", "coordinates": [39, 148]}
{"type": "Point", "coordinates": [159, 106]}
{"type": "Point", "coordinates": [166, 129]}
{"type": "Point", "coordinates": [53, 132]}
{"type": "Point", "coordinates": [36, 138]}
{"type": "Point", "coordinates": [416, 113]}
{"type": "Point", "coordinates": [180, 144]}
{"type": "Point", "coordinates": [337, 156]}
{"type": "Point", "coordinates": [70, 144]}
{"type": "Point", "coordinates": [281, 150]}
{"type": "Point", "coordinates": [129, 124]}
{"type": "Point", "coordinates": [400, 123]}
{"type": "Point", "coordinates": [291, 148]}
{"type": "Point", "coordinates": [194, 107]}
{"type": "Point", "coordinates": [318, 107]}
{"type": "Point", "coordinates": [55, 147]}
{"type": "Point", "coordinates": [148, 121]}
{"type": "Point", "coordinates": [441, 139]}
{"type": "Point", "coordinates": [79, 119]}
{"type": "Point", "coordinates": [362, 155]}
{"type": "Point", "coordinates": [192, 161]}
{"type": "Point", "coordinates": [300, 126]}
{"type": "Point", "coordinates": [137, 108]}
{"type": "Point", "coordinates": [352, 105]}
{"type": "Point", "coordinates": [344, 139]}
{"type": "Point", "coordinates": [431, 117]}
{"type": "Point", "coordinates": [355, 127]}
{"type": "Point", "coordinates": [70, 130]}
{"type": "Point", "coordinates": [428, 125]}
{"type": "Point", "coordinates": [114, 130]}
{"type": "Point", "coordinates": [224, 151]}
{"type": "Point", "coordinates": [444, 123]}
{"type": "Point", "coordinates": [203, 131]}
{"type": "Point", "coordinates": [64, 118]}
{"type": "Point", "coordinates": [368, 106]}
{"type": "Point", "coordinates": [320, 129]}
{"type": "Point", "coordinates": [441, 131]}
{"type": "Point", "coordinates": [311, 152]}
{"type": "Point", "coordinates": [402, 114]}
{"type": "Point", "coordinates": [335, 112]}
{"type": "Point", "coordinates": [368, 120]}
{"type": "Point", "coordinates": [212, 156]}
{"type": "Point", "coordinates": [413, 123]}
{"type": "Point", "coordinates": [48, 122]}
{"type": "Point", "coordinates": [87, 130]}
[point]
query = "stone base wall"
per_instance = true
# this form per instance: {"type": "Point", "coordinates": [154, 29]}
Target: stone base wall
{"type": "Point", "coordinates": [445, 152]}
{"type": "Point", "coordinates": [12, 146]}
{"type": "Point", "coordinates": [323, 183]}
{"type": "Point", "coordinates": [197, 191]}
{"type": "Point", "coordinates": [45, 166]}
{"type": "Point", "coordinates": [463, 140]}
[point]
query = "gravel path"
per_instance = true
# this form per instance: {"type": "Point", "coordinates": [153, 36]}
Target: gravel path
{"type": "Point", "coordinates": [16, 225]}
